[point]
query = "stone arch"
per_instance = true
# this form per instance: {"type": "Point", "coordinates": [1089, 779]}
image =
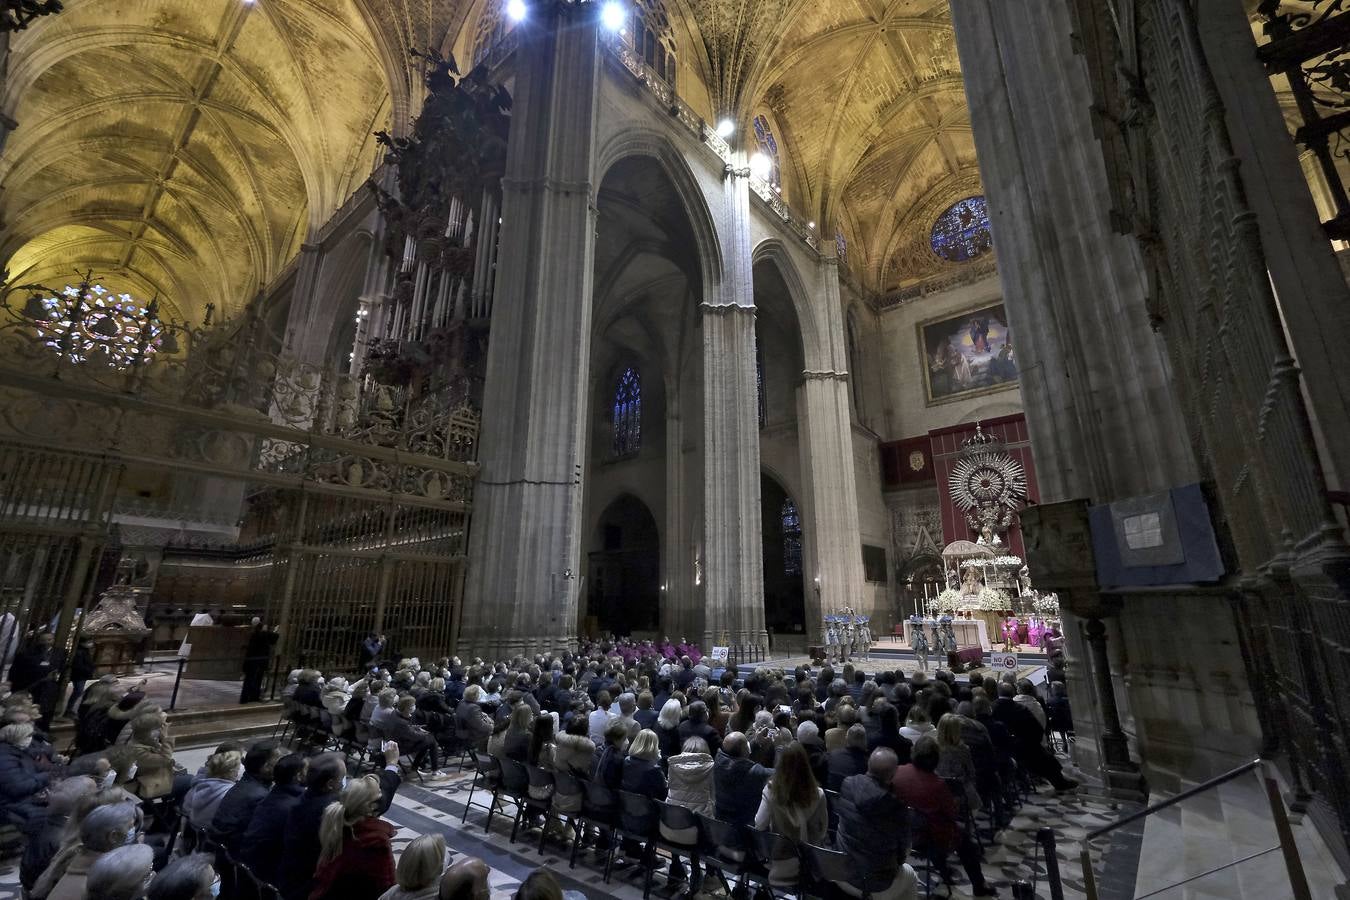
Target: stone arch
{"type": "Point", "coordinates": [646, 142]}
{"type": "Point", "coordinates": [815, 351]}
{"type": "Point", "coordinates": [623, 593]}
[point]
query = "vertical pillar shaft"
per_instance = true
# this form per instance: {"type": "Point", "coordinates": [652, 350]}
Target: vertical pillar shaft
{"type": "Point", "coordinates": [733, 551]}
{"type": "Point", "coordinates": [831, 506]}
{"type": "Point", "coordinates": [676, 605]}
{"type": "Point", "coordinates": [1114, 744]}
{"type": "Point", "coordinates": [525, 540]}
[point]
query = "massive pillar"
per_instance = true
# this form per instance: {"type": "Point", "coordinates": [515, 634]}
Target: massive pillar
{"type": "Point", "coordinates": [733, 552]}
{"type": "Point", "coordinates": [525, 543]}
{"type": "Point", "coordinates": [827, 467]}
{"type": "Point", "coordinates": [1104, 421]}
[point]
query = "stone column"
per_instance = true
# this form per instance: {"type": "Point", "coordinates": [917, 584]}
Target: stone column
{"type": "Point", "coordinates": [826, 445]}
{"type": "Point", "coordinates": [525, 543]}
{"type": "Point", "coordinates": [1095, 379]}
{"type": "Point", "coordinates": [1115, 747]}
{"type": "Point", "coordinates": [302, 320]}
{"type": "Point", "coordinates": [733, 552]}
{"type": "Point", "coordinates": [676, 584]}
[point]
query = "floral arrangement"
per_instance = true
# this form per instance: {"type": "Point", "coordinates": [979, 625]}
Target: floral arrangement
{"type": "Point", "coordinates": [988, 598]}
{"type": "Point", "coordinates": [997, 562]}
{"type": "Point", "coordinates": [1047, 603]}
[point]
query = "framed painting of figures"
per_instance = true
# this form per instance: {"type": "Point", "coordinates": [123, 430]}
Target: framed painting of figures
{"type": "Point", "coordinates": [967, 355]}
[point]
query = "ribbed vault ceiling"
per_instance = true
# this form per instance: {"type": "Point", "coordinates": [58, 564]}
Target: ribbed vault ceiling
{"type": "Point", "coordinates": [184, 148]}
{"type": "Point", "coordinates": [187, 149]}
{"type": "Point", "coordinates": [869, 108]}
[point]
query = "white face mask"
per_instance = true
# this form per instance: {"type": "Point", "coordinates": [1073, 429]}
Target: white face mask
{"type": "Point", "coordinates": [345, 781]}
{"type": "Point", "coordinates": [26, 743]}
{"type": "Point", "coordinates": [132, 770]}
{"type": "Point", "coordinates": [131, 835]}
{"type": "Point", "coordinates": [109, 778]}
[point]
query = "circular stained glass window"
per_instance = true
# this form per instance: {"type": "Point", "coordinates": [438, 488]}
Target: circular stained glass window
{"type": "Point", "coordinates": [98, 326]}
{"type": "Point", "coordinates": [962, 232]}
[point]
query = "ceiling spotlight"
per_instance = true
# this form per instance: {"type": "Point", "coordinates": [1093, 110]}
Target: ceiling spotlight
{"type": "Point", "coordinates": [810, 224]}
{"type": "Point", "coordinates": [613, 15]}
{"type": "Point", "coordinates": [726, 128]}
{"type": "Point", "coordinates": [761, 166]}
{"type": "Point", "coordinates": [516, 9]}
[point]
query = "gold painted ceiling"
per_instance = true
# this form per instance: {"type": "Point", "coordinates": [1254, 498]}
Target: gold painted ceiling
{"type": "Point", "coordinates": [188, 148]}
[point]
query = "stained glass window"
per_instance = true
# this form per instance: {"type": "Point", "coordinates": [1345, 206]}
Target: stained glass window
{"type": "Point", "coordinates": [628, 413]}
{"type": "Point", "coordinates": [792, 538]}
{"type": "Point", "coordinates": [768, 145]}
{"type": "Point", "coordinates": [962, 232]}
{"type": "Point", "coordinates": [759, 383]}
{"type": "Point", "coordinates": [92, 324]}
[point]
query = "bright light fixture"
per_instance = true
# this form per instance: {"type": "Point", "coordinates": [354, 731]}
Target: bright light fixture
{"type": "Point", "coordinates": [516, 9]}
{"type": "Point", "coordinates": [760, 165]}
{"type": "Point", "coordinates": [726, 128]}
{"type": "Point", "coordinates": [613, 16]}
{"type": "Point", "coordinates": [810, 224]}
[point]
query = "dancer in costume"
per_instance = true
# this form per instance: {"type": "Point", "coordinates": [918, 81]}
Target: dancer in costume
{"type": "Point", "coordinates": [918, 642]}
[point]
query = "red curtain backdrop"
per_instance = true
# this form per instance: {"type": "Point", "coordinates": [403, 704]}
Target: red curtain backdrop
{"type": "Point", "coordinates": [946, 449]}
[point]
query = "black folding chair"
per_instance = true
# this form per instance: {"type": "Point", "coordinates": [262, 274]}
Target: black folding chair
{"type": "Point", "coordinates": [721, 842]}
{"type": "Point", "coordinates": [639, 821]}
{"type": "Point", "coordinates": [923, 847]}
{"type": "Point", "coordinates": [541, 781]}
{"type": "Point", "coordinates": [679, 818]}
{"type": "Point", "coordinates": [828, 869]}
{"type": "Point", "coordinates": [487, 776]}
{"type": "Point", "coordinates": [773, 847]}
{"type": "Point", "coordinates": [516, 787]}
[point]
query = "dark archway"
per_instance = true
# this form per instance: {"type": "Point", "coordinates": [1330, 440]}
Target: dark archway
{"type": "Point", "coordinates": [784, 593]}
{"type": "Point", "coordinates": [624, 582]}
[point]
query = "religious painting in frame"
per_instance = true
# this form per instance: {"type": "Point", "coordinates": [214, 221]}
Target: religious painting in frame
{"type": "Point", "coordinates": [967, 355]}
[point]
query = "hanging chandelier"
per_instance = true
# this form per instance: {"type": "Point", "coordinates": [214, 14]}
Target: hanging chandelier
{"type": "Point", "coordinates": [16, 14]}
{"type": "Point", "coordinates": [90, 324]}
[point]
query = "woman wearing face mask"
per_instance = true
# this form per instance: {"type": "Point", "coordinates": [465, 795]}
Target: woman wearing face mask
{"type": "Point", "coordinates": [105, 828]}
{"type": "Point", "coordinates": [356, 854]}
{"type": "Point", "coordinates": [186, 878]}
{"type": "Point", "coordinates": [20, 781]}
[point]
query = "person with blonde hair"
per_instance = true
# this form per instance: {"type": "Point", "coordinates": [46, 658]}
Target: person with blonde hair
{"type": "Point", "coordinates": [667, 728]}
{"type": "Point", "coordinates": [203, 798]}
{"type": "Point", "coordinates": [356, 852]}
{"type": "Point", "coordinates": [419, 870]}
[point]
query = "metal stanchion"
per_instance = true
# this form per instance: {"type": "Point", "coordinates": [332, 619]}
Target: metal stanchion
{"type": "Point", "coordinates": [178, 679]}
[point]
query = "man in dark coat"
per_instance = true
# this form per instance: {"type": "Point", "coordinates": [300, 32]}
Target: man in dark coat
{"type": "Point", "coordinates": [873, 824]}
{"type": "Point", "coordinates": [262, 842]}
{"type": "Point", "coordinates": [697, 726]}
{"type": "Point", "coordinates": [236, 808]}
{"type": "Point", "coordinates": [256, 654]}
{"type": "Point", "coordinates": [81, 670]}
{"type": "Point", "coordinates": [738, 781]}
{"type": "Point", "coordinates": [37, 670]}
{"type": "Point", "coordinates": [324, 785]}
{"type": "Point", "coordinates": [1029, 739]}
{"type": "Point", "coordinates": [849, 760]}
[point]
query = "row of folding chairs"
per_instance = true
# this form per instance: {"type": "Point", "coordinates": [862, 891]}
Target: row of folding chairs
{"type": "Point", "coordinates": [732, 853]}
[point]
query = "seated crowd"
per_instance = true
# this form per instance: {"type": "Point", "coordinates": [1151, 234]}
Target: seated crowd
{"type": "Point", "coordinates": [872, 768]}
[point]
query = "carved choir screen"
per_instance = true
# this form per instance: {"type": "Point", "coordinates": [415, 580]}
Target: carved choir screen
{"type": "Point", "coordinates": [1175, 183]}
{"type": "Point", "coordinates": [88, 436]}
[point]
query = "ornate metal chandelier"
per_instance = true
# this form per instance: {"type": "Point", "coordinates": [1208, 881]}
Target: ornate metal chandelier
{"type": "Point", "coordinates": [16, 14]}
